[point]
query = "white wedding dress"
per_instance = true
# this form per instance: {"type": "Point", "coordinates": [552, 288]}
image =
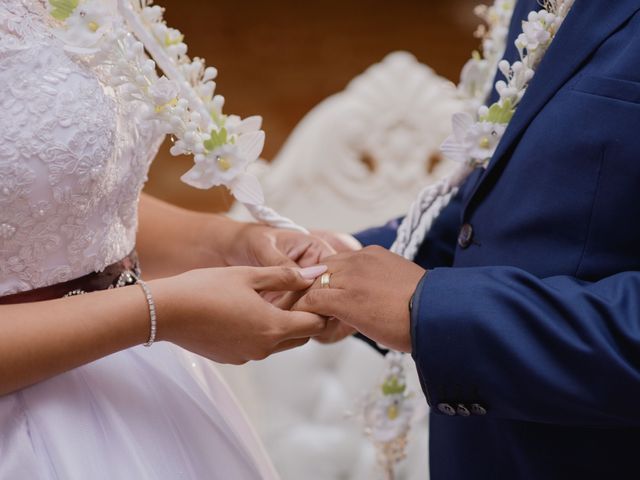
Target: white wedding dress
{"type": "Point", "coordinates": [73, 160]}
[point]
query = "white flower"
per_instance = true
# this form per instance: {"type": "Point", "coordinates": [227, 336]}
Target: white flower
{"type": "Point", "coordinates": [169, 38]}
{"type": "Point", "coordinates": [473, 78]}
{"type": "Point", "coordinates": [518, 77]}
{"type": "Point", "coordinates": [88, 24]}
{"type": "Point", "coordinates": [238, 126]}
{"type": "Point", "coordinates": [504, 7]}
{"type": "Point", "coordinates": [153, 13]}
{"type": "Point", "coordinates": [472, 142]}
{"type": "Point", "coordinates": [388, 412]}
{"type": "Point", "coordinates": [536, 31]}
{"type": "Point", "coordinates": [389, 417]}
{"type": "Point", "coordinates": [164, 93]}
{"type": "Point", "coordinates": [226, 165]}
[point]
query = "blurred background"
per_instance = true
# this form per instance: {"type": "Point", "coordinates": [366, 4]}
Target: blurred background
{"type": "Point", "coordinates": [279, 58]}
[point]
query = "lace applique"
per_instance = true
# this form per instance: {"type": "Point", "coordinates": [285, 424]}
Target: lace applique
{"type": "Point", "coordinates": [73, 160]}
{"type": "Point", "coordinates": [21, 19]}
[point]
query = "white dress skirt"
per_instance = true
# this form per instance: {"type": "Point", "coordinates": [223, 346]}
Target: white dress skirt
{"type": "Point", "coordinates": [144, 413]}
{"type": "Point", "coordinates": [74, 157]}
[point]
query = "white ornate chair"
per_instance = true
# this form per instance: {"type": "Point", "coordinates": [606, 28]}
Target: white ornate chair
{"type": "Point", "coordinates": [356, 160]}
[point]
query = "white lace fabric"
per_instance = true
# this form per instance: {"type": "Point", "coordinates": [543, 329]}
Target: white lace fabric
{"type": "Point", "coordinates": [73, 158]}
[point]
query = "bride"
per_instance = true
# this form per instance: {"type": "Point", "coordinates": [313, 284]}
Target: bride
{"type": "Point", "coordinates": [80, 395]}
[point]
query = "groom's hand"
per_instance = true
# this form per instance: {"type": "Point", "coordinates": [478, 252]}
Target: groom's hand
{"type": "Point", "coordinates": [369, 290]}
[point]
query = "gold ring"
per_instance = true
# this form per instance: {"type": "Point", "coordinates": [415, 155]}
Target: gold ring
{"type": "Point", "coordinates": [325, 280]}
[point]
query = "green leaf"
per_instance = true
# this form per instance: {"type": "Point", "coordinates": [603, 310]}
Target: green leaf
{"type": "Point", "coordinates": [393, 387]}
{"type": "Point", "coordinates": [500, 114]}
{"type": "Point", "coordinates": [62, 9]}
{"type": "Point", "coordinates": [218, 139]}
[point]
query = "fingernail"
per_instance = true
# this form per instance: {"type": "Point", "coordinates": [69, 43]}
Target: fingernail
{"type": "Point", "coordinates": [311, 273]}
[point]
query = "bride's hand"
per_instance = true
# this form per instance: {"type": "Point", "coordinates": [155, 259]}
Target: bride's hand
{"type": "Point", "coordinates": [263, 246]}
{"type": "Point", "coordinates": [336, 242]}
{"type": "Point", "coordinates": [259, 245]}
{"type": "Point", "coordinates": [219, 313]}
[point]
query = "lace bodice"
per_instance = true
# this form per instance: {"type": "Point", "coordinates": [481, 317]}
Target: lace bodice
{"type": "Point", "coordinates": [73, 158]}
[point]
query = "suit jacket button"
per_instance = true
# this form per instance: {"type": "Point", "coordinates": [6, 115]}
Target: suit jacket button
{"type": "Point", "coordinates": [447, 409]}
{"type": "Point", "coordinates": [462, 410]}
{"type": "Point", "coordinates": [465, 236]}
{"type": "Point", "coordinates": [478, 409]}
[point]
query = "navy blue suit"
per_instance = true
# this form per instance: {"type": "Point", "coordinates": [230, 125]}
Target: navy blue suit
{"type": "Point", "coordinates": [533, 316]}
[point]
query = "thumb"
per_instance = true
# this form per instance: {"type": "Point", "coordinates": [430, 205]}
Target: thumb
{"type": "Point", "coordinates": [327, 302]}
{"type": "Point", "coordinates": [278, 279]}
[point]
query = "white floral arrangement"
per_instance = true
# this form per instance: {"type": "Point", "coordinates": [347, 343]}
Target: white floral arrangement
{"type": "Point", "coordinates": [133, 40]}
{"type": "Point", "coordinates": [388, 413]}
{"type": "Point", "coordinates": [476, 137]}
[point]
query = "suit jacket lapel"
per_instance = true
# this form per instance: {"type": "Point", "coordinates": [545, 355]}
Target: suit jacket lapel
{"type": "Point", "coordinates": [588, 25]}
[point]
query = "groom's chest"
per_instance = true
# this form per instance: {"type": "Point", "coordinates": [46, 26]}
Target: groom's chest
{"type": "Point", "coordinates": [566, 198]}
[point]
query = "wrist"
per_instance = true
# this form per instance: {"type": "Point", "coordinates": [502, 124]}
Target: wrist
{"type": "Point", "coordinates": [166, 306]}
{"type": "Point", "coordinates": [218, 238]}
{"type": "Point", "coordinates": [234, 243]}
{"type": "Point", "coordinates": [414, 309]}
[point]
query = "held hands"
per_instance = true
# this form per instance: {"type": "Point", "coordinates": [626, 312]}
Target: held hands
{"type": "Point", "coordinates": [200, 301]}
{"type": "Point", "coordinates": [219, 313]}
{"type": "Point", "coordinates": [338, 242]}
{"type": "Point", "coordinates": [370, 288]}
{"type": "Point", "coordinates": [259, 245]}
{"type": "Point", "coordinates": [370, 291]}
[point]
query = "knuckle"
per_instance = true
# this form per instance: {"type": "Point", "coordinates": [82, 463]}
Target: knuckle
{"type": "Point", "coordinates": [275, 333]}
{"type": "Point", "coordinates": [321, 329]}
{"type": "Point", "coordinates": [311, 299]}
{"type": "Point", "coordinates": [322, 324]}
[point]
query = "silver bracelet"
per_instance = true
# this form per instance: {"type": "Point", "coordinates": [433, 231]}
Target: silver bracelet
{"type": "Point", "coordinates": [152, 312]}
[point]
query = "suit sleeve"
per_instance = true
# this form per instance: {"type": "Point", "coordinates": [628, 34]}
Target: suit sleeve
{"type": "Point", "coordinates": [557, 350]}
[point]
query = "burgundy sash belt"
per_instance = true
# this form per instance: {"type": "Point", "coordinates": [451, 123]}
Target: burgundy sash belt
{"type": "Point", "coordinates": [122, 273]}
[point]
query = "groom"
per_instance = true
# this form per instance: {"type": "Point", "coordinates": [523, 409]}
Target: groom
{"type": "Point", "coordinates": [522, 311]}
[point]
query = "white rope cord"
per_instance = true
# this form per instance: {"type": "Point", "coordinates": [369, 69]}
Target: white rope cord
{"type": "Point", "coordinates": [268, 215]}
{"type": "Point", "coordinates": [425, 210]}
